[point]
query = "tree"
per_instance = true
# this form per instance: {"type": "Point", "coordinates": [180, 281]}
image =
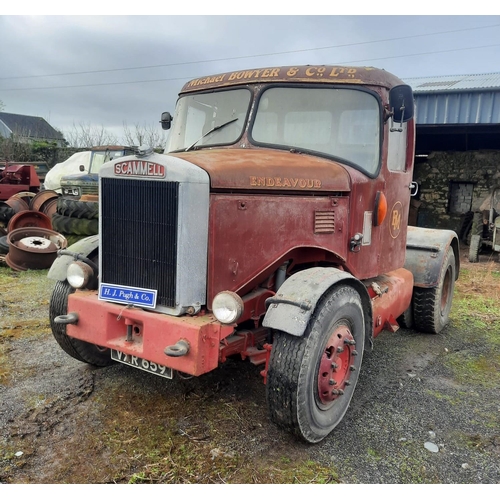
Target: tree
{"type": "Point", "coordinates": [86, 136]}
{"type": "Point", "coordinates": [16, 148]}
{"type": "Point", "coordinates": [144, 135]}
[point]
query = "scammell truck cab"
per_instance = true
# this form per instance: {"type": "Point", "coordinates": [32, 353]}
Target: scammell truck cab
{"type": "Point", "coordinates": [274, 228]}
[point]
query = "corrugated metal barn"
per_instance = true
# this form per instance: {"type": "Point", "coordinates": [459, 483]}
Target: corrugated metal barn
{"type": "Point", "coordinates": [457, 113]}
{"type": "Point", "coordinates": [457, 160]}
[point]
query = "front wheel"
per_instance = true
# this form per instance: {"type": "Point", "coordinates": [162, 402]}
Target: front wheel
{"type": "Point", "coordinates": [78, 349]}
{"type": "Point", "coordinates": [311, 379]}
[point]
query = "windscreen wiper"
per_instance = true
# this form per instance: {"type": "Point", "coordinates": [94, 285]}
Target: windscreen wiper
{"type": "Point", "coordinates": [209, 132]}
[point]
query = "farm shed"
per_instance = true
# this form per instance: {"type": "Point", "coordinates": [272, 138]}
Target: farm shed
{"type": "Point", "coordinates": [457, 146]}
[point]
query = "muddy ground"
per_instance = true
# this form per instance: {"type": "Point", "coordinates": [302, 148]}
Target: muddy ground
{"type": "Point", "coordinates": [62, 421]}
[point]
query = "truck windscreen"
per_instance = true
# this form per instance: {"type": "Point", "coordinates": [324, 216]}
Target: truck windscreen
{"type": "Point", "coordinates": [342, 123]}
{"type": "Point", "coordinates": [197, 115]}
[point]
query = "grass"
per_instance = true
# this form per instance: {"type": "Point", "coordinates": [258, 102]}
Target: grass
{"type": "Point", "coordinates": [476, 315]}
{"type": "Point", "coordinates": [24, 299]}
{"type": "Point", "coordinates": [477, 300]}
{"type": "Point", "coordinates": [189, 447]}
{"type": "Point", "coordinates": [146, 436]}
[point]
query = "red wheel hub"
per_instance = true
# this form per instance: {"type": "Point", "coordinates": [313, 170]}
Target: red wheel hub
{"type": "Point", "coordinates": [335, 364]}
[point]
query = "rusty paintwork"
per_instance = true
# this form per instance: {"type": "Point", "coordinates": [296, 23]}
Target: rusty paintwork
{"type": "Point", "coordinates": [243, 167]}
{"type": "Point", "coordinates": [390, 297]}
{"type": "Point", "coordinates": [354, 75]}
{"type": "Point", "coordinates": [33, 247]}
{"type": "Point", "coordinates": [269, 169]}
{"type": "Point", "coordinates": [272, 229]}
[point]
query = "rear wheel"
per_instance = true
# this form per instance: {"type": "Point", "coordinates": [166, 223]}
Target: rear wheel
{"type": "Point", "coordinates": [311, 379]}
{"type": "Point", "coordinates": [431, 306]}
{"type": "Point", "coordinates": [78, 349]}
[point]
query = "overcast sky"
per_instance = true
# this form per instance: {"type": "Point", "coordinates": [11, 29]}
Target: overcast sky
{"type": "Point", "coordinates": [56, 66]}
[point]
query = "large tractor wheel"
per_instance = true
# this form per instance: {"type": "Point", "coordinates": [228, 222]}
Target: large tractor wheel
{"type": "Point", "coordinates": [78, 349]}
{"type": "Point", "coordinates": [464, 233]}
{"type": "Point", "coordinates": [77, 208]}
{"type": "Point", "coordinates": [477, 225]}
{"type": "Point", "coordinates": [431, 306]}
{"type": "Point", "coordinates": [311, 379]}
{"type": "Point", "coordinates": [73, 225]}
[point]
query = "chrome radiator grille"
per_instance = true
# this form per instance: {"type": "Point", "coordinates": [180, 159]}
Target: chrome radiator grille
{"type": "Point", "coordinates": [139, 223]}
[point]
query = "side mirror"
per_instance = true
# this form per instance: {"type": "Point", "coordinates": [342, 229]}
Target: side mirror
{"type": "Point", "coordinates": [401, 103]}
{"type": "Point", "coordinates": [166, 120]}
{"type": "Point", "coordinates": [82, 168]}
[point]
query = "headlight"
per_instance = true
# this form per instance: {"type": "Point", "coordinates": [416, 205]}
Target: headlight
{"type": "Point", "coordinates": [227, 307]}
{"type": "Point", "coordinates": [79, 274]}
{"type": "Point", "coordinates": [71, 191]}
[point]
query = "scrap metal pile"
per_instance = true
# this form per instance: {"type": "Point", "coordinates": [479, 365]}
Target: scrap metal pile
{"type": "Point", "coordinates": [33, 227]}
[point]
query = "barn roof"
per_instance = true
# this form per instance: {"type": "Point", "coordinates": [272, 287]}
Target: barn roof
{"type": "Point", "coordinates": [457, 99]}
{"type": "Point", "coordinates": [33, 127]}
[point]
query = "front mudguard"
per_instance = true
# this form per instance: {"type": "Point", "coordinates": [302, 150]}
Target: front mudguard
{"type": "Point", "coordinates": [84, 247]}
{"type": "Point", "coordinates": [425, 253]}
{"type": "Point", "coordinates": [290, 310]}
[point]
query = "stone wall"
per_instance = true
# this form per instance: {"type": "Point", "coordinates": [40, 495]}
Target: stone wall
{"type": "Point", "coordinates": [453, 183]}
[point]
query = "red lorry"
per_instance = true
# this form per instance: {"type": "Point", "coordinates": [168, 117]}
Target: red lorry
{"type": "Point", "coordinates": [273, 228]}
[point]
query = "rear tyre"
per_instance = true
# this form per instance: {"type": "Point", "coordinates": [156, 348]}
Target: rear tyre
{"type": "Point", "coordinates": [406, 319]}
{"type": "Point", "coordinates": [78, 349]}
{"type": "Point", "coordinates": [431, 306]}
{"type": "Point", "coordinates": [311, 379]}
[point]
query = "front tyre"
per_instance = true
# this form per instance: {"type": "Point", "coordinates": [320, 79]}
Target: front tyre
{"type": "Point", "coordinates": [78, 349]}
{"type": "Point", "coordinates": [311, 379]}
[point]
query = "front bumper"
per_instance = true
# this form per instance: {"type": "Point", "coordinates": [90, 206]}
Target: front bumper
{"type": "Point", "coordinates": [106, 324]}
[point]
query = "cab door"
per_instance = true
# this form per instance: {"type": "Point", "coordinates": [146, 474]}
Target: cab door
{"type": "Point", "coordinates": [397, 173]}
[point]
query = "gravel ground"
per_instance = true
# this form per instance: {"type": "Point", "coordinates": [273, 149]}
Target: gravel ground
{"type": "Point", "coordinates": [55, 409]}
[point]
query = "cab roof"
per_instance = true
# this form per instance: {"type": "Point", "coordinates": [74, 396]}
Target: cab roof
{"type": "Point", "coordinates": [357, 75]}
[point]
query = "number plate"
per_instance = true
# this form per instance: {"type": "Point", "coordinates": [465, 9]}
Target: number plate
{"type": "Point", "coordinates": [142, 364]}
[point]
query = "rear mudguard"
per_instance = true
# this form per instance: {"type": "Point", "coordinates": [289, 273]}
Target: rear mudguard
{"type": "Point", "coordinates": [425, 252]}
{"type": "Point", "coordinates": [84, 247]}
{"type": "Point", "coordinates": [293, 305]}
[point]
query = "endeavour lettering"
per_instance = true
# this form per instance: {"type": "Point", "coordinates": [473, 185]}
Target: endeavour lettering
{"type": "Point", "coordinates": [285, 182]}
{"type": "Point", "coordinates": [140, 168]}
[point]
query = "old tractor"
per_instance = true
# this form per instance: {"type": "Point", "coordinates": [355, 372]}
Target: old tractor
{"type": "Point", "coordinates": [485, 230]}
